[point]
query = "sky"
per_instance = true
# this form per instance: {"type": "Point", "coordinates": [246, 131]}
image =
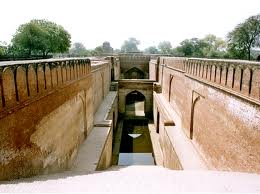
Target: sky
{"type": "Point", "coordinates": [92, 22]}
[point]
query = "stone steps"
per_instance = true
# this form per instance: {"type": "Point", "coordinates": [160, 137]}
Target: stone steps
{"type": "Point", "coordinates": [138, 179]}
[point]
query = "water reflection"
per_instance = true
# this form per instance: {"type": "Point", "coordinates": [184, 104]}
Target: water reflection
{"type": "Point", "coordinates": [135, 159]}
{"type": "Point", "coordinates": [136, 147]}
{"type": "Point", "coordinates": [134, 135]}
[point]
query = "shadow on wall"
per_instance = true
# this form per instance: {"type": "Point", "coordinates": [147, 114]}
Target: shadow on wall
{"type": "Point", "coordinates": [134, 73]}
{"type": "Point", "coordinates": [135, 102]}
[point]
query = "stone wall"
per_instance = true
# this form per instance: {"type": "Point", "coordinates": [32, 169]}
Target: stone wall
{"type": "Point", "coordinates": [107, 114]}
{"type": "Point", "coordinates": [152, 69]}
{"type": "Point", "coordinates": [134, 65]}
{"type": "Point", "coordinates": [145, 87]}
{"type": "Point", "coordinates": [46, 111]}
{"type": "Point", "coordinates": [101, 72]}
{"type": "Point", "coordinates": [216, 104]}
{"type": "Point", "coordinates": [117, 69]}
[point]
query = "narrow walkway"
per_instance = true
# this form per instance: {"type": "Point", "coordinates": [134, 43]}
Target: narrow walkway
{"type": "Point", "coordinates": [157, 152]}
{"type": "Point", "coordinates": [184, 148]}
{"type": "Point", "coordinates": [91, 149]}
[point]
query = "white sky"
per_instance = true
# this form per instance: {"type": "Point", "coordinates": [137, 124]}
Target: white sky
{"type": "Point", "coordinates": [94, 21]}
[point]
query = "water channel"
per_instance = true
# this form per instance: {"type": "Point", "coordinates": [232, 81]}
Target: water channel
{"type": "Point", "coordinates": [136, 146]}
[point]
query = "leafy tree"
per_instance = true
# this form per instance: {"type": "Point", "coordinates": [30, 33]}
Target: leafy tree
{"type": "Point", "coordinates": [3, 49]}
{"type": "Point", "coordinates": [214, 47]}
{"type": "Point", "coordinates": [209, 47]}
{"type": "Point", "coordinates": [192, 47]}
{"type": "Point", "coordinates": [165, 47]}
{"type": "Point", "coordinates": [78, 49]}
{"type": "Point", "coordinates": [130, 45]}
{"type": "Point", "coordinates": [186, 47]}
{"type": "Point", "coordinates": [97, 51]}
{"type": "Point", "coordinates": [245, 36]}
{"type": "Point", "coordinates": [106, 47]}
{"type": "Point", "coordinates": [41, 37]}
{"type": "Point", "coordinates": [151, 50]}
{"type": "Point", "coordinates": [175, 52]}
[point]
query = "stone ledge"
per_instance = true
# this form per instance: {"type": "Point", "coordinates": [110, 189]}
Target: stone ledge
{"type": "Point", "coordinates": [182, 145]}
{"type": "Point", "coordinates": [224, 89]}
{"type": "Point", "coordinates": [173, 68]}
{"type": "Point", "coordinates": [21, 62]}
{"type": "Point", "coordinates": [157, 152]}
{"type": "Point", "coordinates": [162, 108]}
{"type": "Point", "coordinates": [148, 81]}
{"type": "Point", "coordinates": [92, 149]}
{"type": "Point", "coordinates": [103, 110]}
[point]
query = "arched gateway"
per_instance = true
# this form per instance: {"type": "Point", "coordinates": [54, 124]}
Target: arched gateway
{"type": "Point", "coordinates": [135, 103]}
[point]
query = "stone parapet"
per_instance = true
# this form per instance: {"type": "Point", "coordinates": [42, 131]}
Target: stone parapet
{"type": "Point", "coordinates": [24, 81]}
{"type": "Point", "coordinates": [46, 111]}
{"type": "Point", "coordinates": [240, 76]}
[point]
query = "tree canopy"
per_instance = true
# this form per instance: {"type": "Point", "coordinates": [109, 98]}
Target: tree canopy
{"type": "Point", "coordinates": [210, 46]}
{"type": "Point", "coordinates": [78, 49]}
{"type": "Point", "coordinates": [245, 36]}
{"type": "Point", "coordinates": [98, 51]}
{"type": "Point", "coordinates": [3, 48]}
{"type": "Point", "coordinates": [151, 50]}
{"type": "Point", "coordinates": [165, 47]}
{"type": "Point", "coordinates": [40, 37]}
{"type": "Point", "coordinates": [106, 47]}
{"type": "Point", "coordinates": [130, 45]}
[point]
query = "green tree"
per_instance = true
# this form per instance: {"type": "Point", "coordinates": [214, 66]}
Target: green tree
{"type": "Point", "coordinates": [165, 47]}
{"type": "Point", "coordinates": [3, 49]}
{"type": "Point", "coordinates": [98, 51]}
{"type": "Point", "coordinates": [151, 50]}
{"type": "Point", "coordinates": [41, 37]}
{"type": "Point", "coordinates": [106, 47]}
{"type": "Point", "coordinates": [214, 47]}
{"type": "Point", "coordinates": [210, 46]}
{"type": "Point", "coordinates": [130, 45]}
{"type": "Point", "coordinates": [192, 47]}
{"type": "Point", "coordinates": [78, 49]}
{"type": "Point", "coordinates": [186, 48]}
{"type": "Point", "coordinates": [244, 37]}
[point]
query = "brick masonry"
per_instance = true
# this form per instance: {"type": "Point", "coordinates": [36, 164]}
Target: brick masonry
{"type": "Point", "coordinates": [226, 119]}
{"type": "Point", "coordinates": [46, 111]}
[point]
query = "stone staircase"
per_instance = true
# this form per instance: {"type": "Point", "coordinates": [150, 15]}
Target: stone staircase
{"type": "Point", "coordinates": [137, 179]}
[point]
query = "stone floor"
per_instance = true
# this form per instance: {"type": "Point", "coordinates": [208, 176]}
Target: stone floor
{"type": "Point", "coordinates": [139, 179]}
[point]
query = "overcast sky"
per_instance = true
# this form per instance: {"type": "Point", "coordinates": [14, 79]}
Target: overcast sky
{"type": "Point", "coordinates": [94, 21]}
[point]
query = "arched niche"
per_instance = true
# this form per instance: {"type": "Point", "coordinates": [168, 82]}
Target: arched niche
{"type": "Point", "coordinates": [9, 90]}
{"type": "Point", "coordinates": [134, 73]}
{"type": "Point", "coordinates": [135, 104]}
{"type": "Point", "coordinates": [41, 78]}
{"type": "Point", "coordinates": [21, 84]}
{"type": "Point", "coordinates": [48, 76]}
{"type": "Point", "coordinates": [32, 81]}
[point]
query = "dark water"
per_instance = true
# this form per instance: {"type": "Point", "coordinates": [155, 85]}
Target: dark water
{"type": "Point", "coordinates": [136, 146]}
